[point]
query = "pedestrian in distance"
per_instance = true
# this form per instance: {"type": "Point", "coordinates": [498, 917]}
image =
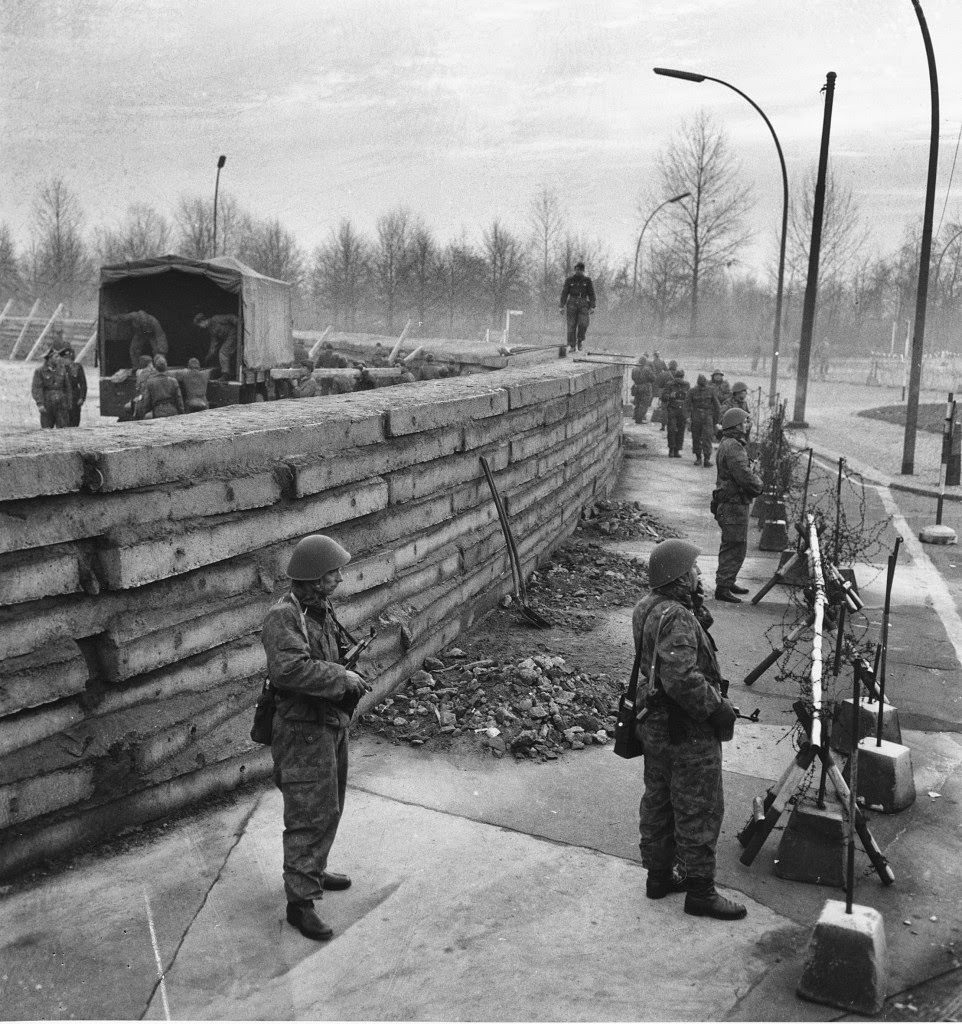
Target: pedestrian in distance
{"type": "Point", "coordinates": [577, 303]}
{"type": "Point", "coordinates": [52, 391]}
{"type": "Point", "coordinates": [305, 646]}
{"type": "Point", "coordinates": [78, 383]}
{"type": "Point", "coordinates": [704, 412]}
{"type": "Point", "coordinates": [688, 718]}
{"type": "Point", "coordinates": [162, 395]}
{"type": "Point", "coordinates": [222, 333]}
{"type": "Point", "coordinates": [736, 485]}
{"type": "Point", "coordinates": [147, 337]}
{"type": "Point", "coordinates": [675, 400]}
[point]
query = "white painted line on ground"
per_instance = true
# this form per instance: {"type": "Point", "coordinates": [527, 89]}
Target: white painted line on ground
{"type": "Point", "coordinates": [938, 591]}
{"type": "Point", "coordinates": [160, 963]}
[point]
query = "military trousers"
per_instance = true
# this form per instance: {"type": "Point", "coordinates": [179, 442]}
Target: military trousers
{"type": "Point", "coordinates": [642, 402]}
{"type": "Point", "coordinates": [732, 517]}
{"type": "Point", "coordinates": [702, 430]}
{"type": "Point", "coordinates": [310, 769]}
{"type": "Point", "coordinates": [683, 804]}
{"type": "Point", "coordinates": [56, 410]}
{"type": "Point", "coordinates": [577, 326]}
{"type": "Point", "coordinates": [676, 429]}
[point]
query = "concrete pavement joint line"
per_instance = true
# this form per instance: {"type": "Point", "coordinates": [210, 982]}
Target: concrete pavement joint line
{"type": "Point", "coordinates": [238, 835]}
{"type": "Point", "coordinates": [160, 963]}
{"type": "Point", "coordinates": [938, 591]}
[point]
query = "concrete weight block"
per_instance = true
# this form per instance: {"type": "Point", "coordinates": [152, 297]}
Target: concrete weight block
{"type": "Point", "coordinates": [812, 847]}
{"type": "Point", "coordinates": [885, 779]}
{"type": "Point", "coordinates": [846, 964]}
{"type": "Point", "coordinates": [36, 574]}
{"type": "Point", "coordinates": [50, 673]}
{"type": "Point", "coordinates": [868, 711]}
{"type": "Point", "coordinates": [29, 469]}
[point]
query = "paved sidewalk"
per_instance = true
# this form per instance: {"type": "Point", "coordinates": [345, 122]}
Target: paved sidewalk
{"type": "Point", "coordinates": [489, 890]}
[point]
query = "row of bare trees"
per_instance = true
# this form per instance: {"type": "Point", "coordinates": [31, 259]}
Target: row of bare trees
{"type": "Point", "coordinates": [693, 278]}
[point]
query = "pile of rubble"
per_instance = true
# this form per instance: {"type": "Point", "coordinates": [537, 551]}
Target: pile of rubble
{"type": "Point", "coordinates": [623, 520]}
{"type": "Point", "coordinates": [584, 575]}
{"type": "Point", "coordinates": [536, 708]}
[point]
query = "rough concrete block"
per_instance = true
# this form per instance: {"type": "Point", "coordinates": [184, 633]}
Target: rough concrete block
{"type": "Point", "coordinates": [438, 475]}
{"type": "Point", "coordinates": [30, 797]}
{"type": "Point", "coordinates": [29, 468]}
{"type": "Point", "coordinates": [448, 405]}
{"type": "Point", "coordinates": [28, 727]}
{"type": "Point", "coordinates": [33, 575]}
{"type": "Point", "coordinates": [135, 644]}
{"type": "Point", "coordinates": [502, 428]}
{"type": "Point", "coordinates": [50, 673]}
{"type": "Point", "coordinates": [812, 847]}
{"type": "Point", "coordinates": [885, 779]}
{"type": "Point", "coordinates": [867, 723]}
{"type": "Point", "coordinates": [538, 392]}
{"type": "Point", "coordinates": [846, 964]}
{"type": "Point", "coordinates": [133, 560]}
{"type": "Point", "coordinates": [536, 441]}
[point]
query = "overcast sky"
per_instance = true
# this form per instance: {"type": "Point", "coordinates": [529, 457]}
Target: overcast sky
{"type": "Point", "coordinates": [462, 109]}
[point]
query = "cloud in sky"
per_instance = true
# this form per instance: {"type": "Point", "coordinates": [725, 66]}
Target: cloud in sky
{"type": "Point", "coordinates": [459, 109]}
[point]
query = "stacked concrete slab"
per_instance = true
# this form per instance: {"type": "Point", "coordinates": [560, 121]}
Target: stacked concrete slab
{"type": "Point", "coordinates": [136, 566]}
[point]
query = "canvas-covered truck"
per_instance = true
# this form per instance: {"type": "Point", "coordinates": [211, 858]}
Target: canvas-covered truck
{"type": "Point", "coordinates": [173, 290]}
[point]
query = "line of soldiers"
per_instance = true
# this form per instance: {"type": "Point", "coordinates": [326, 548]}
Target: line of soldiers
{"type": "Point", "coordinates": [59, 386]}
{"type": "Point", "coordinates": [680, 404]}
{"type": "Point", "coordinates": [159, 393]}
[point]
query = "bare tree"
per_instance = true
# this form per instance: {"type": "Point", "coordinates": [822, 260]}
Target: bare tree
{"type": "Point", "coordinates": [194, 218]}
{"type": "Point", "coordinates": [270, 249]}
{"type": "Point", "coordinates": [668, 277]}
{"type": "Point", "coordinates": [338, 274]}
{"type": "Point", "coordinates": [505, 265]}
{"type": "Point", "coordinates": [707, 231]}
{"type": "Point", "coordinates": [11, 283]}
{"type": "Point", "coordinates": [143, 233]}
{"type": "Point", "coordinates": [422, 260]}
{"type": "Point", "coordinates": [59, 264]}
{"type": "Point", "coordinates": [546, 223]}
{"type": "Point", "coordinates": [390, 262]}
{"type": "Point", "coordinates": [460, 273]}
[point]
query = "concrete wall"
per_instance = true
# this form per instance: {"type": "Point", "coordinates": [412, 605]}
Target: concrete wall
{"type": "Point", "coordinates": [136, 566]}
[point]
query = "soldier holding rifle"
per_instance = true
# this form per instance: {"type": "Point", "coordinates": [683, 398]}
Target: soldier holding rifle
{"type": "Point", "coordinates": [315, 696]}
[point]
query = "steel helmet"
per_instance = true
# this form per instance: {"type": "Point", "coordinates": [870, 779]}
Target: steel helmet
{"type": "Point", "coordinates": [739, 385]}
{"type": "Point", "coordinates": [679, 374]}
{"type": "Point", "coordinates": [669, 560]}
{"type": "Point", "coordinates": [717, 373]}
{"type": "Point", "coordinates": [702, 379]}
{"type": "Point", "coordinates": [315, 556]}
{"type": "Point", "coordinates": [733, 418]}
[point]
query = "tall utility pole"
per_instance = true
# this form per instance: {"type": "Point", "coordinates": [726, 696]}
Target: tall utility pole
{"type": "Point", "coordinates": [814, 253]}
{"type": "Point", "coordinates": [925, 255]}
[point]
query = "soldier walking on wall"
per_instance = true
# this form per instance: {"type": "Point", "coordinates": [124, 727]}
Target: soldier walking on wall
{"type": "Point", "coordinates": [222, 331]}
{"type": "Point", "coordinates": [148, 336]}
{"type": "Point", "coordinates": [689, 716]}
{"type": "Point", "coordinates": [305, 646]}
{"type": "Point", "coordinates": [52, 391]}
{"type": "Point", "coordinates": [578, 303]}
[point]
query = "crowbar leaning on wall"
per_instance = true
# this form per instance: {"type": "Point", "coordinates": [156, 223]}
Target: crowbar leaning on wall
{"type": "Point", "coordinates": [521, 591]}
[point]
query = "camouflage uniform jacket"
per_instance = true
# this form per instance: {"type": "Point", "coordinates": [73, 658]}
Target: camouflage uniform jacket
{"type": "Point", "coordinates": [303, 663]}
{"type": "Point", "coordinates": [53, 381]}
{"type": "Point", "coordinates": [722, 389]}
{"type": "Point", "coordinates": [675, 395]}
{"type": "Point", "coordinates": [738, 401]}
{"type": "Point", "coordinates": [736, 481]}
{"type": "Point", "coordinates": [703, 401]}
{"type": "Point", "coordinates": [687, 668]}
{"type": "Point", "coordinates": [578, 292]}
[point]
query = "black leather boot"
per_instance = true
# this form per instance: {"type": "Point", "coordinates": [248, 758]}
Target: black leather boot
{"type": "Point", "coordinates": [306, 921]}
{"type": "Point", "coordinates": [662, 883]}
{"type": "Point", "coordinates": [724, 594]}
{"type": "Point", "coordinates": [703, 900]}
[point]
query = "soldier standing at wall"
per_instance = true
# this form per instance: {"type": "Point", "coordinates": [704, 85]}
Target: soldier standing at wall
{"type": "Point", "coordinates": [675, 398]}
{"type": "Point", "coordinates": [705, 412]}
{"type": "Point", "coordinates": [689, 718]}
{"type": "Point", "coordinates": [222, 330]}
{"type": "Point", "coordinates": [78, 383]}
{"type": "Point", "coordinates": [51, 389]}
{"type": "Point", "coordinates": [310, 734]}
{"type": "Point", "coordinates": [578, 303]}
{"type": "Point", "coordinates": [736, 485]}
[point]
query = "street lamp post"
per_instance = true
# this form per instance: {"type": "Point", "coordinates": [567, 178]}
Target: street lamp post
{"type": "Point", "coordinates": [221, 160]}
{"type": "Point", "coordinates": [925, 255]}
{"type": "Point", "coordinates": [634, 276]}
{"type": "Point", "coordinates": [691, 76]}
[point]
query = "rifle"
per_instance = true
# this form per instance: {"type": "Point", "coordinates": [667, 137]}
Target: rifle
{"type": "Point", "coordinates": [351, 657]}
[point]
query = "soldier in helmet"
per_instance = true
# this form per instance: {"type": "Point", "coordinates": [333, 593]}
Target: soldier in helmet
{"type": "Point", "coordinates": [737, 400]}
{"type": "Point", "coordinates": [305, 645]}
{"type": "Point", "coordinates": [721, 386]}
{"type": "Point", "coordinates": [736, 485]}
{"type": "Point", "coordinates": [578, 303]}
{"type": "Point", "coordinates": [675, 399]}
{"type": "Point", "coordinates": [52, 390]}
{"type": "Point", "coordinates": [689, 716]}
{"type": "Point", "coordinates": [705, 413]}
